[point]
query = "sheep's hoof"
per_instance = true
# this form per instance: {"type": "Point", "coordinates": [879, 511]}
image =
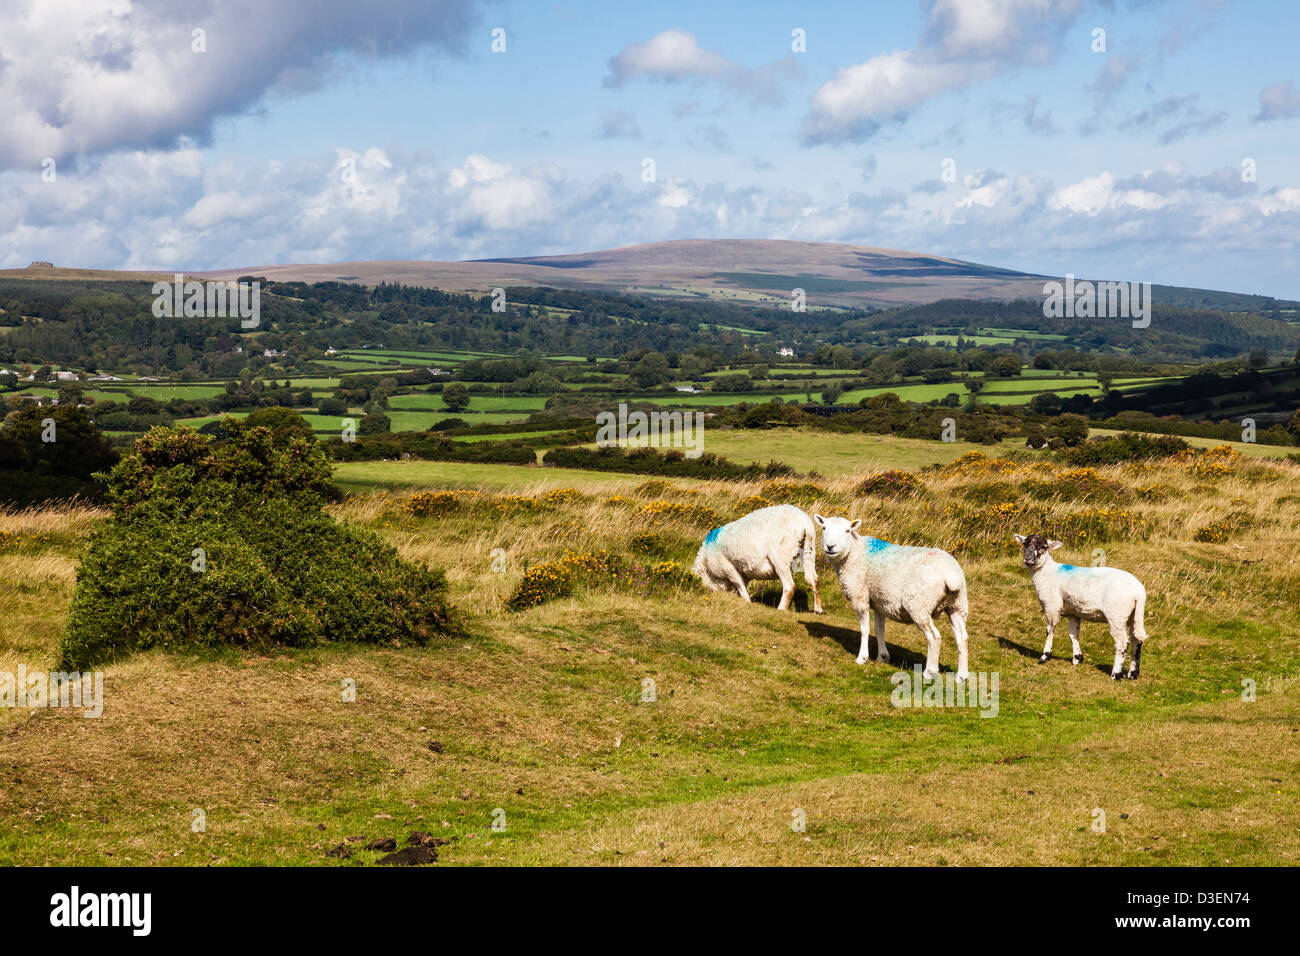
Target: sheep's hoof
{"type": "Point", "coordinates": [929, 674]}
{"type": "Point", "coordinates": [963, 677]}
{"type": "Point", "coordinates": [1078, 659]}
{"type": "Point", "coordinates": [1045, 658]}
{"type": "Point", "coordinates": [1118, 675]}
{"type": "Point", "coordinates": [818, 610]}
{"type": "Point", "coordinates": [1132, 675]}
{"type": "Point", "coordinates": [860, 660]}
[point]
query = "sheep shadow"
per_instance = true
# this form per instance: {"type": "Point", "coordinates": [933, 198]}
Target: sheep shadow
{"type": "Point", "coordinates": [770, 596]}
{"type": "Point", "coordinates": [850, 639]}
{"type": "Point", "coordinates": [1033, 654]}
{"type": "Point", "coordinates": [1020, 649]}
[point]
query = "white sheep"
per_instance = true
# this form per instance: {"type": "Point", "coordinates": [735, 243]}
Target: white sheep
{"type": "Point", "coordinates": [763, 545]}
{"type": "Point", "coordinates": [1087, 594]}
{"type": "Point", "coordinates": [899, 582]}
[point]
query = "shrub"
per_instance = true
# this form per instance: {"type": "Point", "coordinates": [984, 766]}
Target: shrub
{"type": "Point", "coordinates": [978, 463]}
{"type": "Point", "coordinates": [791, 492]}
{"type": "Point", "coordinates": [648, 461]}
{"type": "Point", "coordinates": [657, 512]}
{"type": "Point", "coordinates": [1076, 484]}
{"type": "Point", "coordinates": [1215, 533]}
{"type": "Point", "coordinates": [1116, 449]}
{"type": "Point", "coordinates": [990, 492]}
{"type": "Point", "coordinates": [226, 545]}
{"type": "Point", "coordinates": [435, 504]}
{"type": "Point", "coordinates": [1156, 492]}
{"type": "Point", "coordinates": [752, 503]}
{"type": "Point", "coordinates": [556, 579]}
{"type": "Point", "coordinates": [890, 484]}
{"type": "Point", "coordinates": [1217, 462]}
{"type": "Point", "coordinates": [649, 544]}
{"type": "Point", "coordinates": [578, 569]}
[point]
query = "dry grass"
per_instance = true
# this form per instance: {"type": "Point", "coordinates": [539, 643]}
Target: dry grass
{"type": "Point", "coordinates": [757, 713]}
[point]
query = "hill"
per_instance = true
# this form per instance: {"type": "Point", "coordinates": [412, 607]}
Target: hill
{"type": "Point", "coordinates": [755, 271]}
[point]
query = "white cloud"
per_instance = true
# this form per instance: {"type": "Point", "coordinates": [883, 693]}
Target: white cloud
{"type": "Point", "coordinates": [86, 78]}
{"type": "Point", "coordinates": [672, 55]}
{"type": "Point", "coordinates": [675, 56]}
{"type": "Point", "coordinates": [963, 42]}
{"type": "Point", "coordinates": [178, 211]}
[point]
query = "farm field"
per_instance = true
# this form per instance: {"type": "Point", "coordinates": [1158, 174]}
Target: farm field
{"type": "Point", "coordinates": [837, 456]}
{"type": "Point", "coordinates": [757, 714]}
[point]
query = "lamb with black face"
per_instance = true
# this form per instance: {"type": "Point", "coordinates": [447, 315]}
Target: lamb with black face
{"type": "Point", "coordinates": [1086, 594]}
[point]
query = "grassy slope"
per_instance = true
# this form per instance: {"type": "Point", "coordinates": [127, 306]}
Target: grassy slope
{"type": "Point", "coordinates": [758, 713]}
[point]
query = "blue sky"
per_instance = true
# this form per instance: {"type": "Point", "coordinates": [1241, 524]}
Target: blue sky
{"type": "Point", "coordinates": [1124, 163]}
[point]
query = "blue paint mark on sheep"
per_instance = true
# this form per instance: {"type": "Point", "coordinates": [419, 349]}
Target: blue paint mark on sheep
{"type": "Point", "coordinates": [1068, 567]}
{"type": "Point", "coordinates": [712, 536]}
{"type": "Point", "coordinates": [875, 544]}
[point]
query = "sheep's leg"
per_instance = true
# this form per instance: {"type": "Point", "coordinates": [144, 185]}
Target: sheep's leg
{"type": "Point", "coordinates": [1047, 648]}
{"type": "Point", "coordinates": [864, 650]}
{"type": "Point", "coordinates": [810, 576]}
{"type": "Point", "coordinates": [1119, 634]}
{"type": "Point", "coordinates": [1074, 624]}
{"type": "Point", "coordinates": [932, 639]}
{"type": "Point", "coordinates": [787, 585]}
{"type": "Point", "coordinates": [1138, 633]}
{"type": "Point", "coordinates": [882, 649]}
{"type": "Point", "coordinates": [958, 622]}
{"type": "Point", "coordinates": [737, 581]}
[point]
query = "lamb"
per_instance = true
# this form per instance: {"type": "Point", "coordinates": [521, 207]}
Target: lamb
{"type": "Point", "coordinates": [902, 583]}
{"type": "Point", "coordinates": [763, 545]}
{"type": "Point", "coordinates": [1087, 594]}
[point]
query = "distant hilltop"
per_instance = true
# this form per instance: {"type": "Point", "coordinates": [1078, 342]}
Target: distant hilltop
{"type": "Point", "coordinates": [41, 264]}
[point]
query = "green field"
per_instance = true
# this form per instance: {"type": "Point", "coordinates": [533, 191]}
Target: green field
{"type": "Point", "coordinates": [808, 450]}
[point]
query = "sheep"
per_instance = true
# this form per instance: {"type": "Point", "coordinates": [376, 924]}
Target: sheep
{"type": "Point", "coordinates": [1087, 594]}
{"type": "Point", "coordinates": [763, 545]}
{"type": "Point", "coordinates": [902, 583]}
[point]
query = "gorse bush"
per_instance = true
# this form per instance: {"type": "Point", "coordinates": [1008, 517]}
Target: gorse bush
{"type": "Point", "coordinates": [791, 492]}
{"type": "Point", "coordinates": [587, 569]}
{"type": "Point", "coordinates": [890, 484]}
{"type": "Point", "coordinates": [225, 544]}
{"type": "Point", "coordinates": [1214, 533]}
{"type": "Point", "coordinates": [1076, 484]}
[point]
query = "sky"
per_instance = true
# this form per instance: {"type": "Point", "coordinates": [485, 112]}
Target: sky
{"type": "Point", "coordinates": [1132, 139]}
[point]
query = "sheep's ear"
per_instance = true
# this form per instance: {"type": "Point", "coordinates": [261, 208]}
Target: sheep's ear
{"type": "Point", "coordinates": [857, 524]}
{"type": "Point", "coordinates": [821, 522]}
{"type": "Point", "coordinates": [1020, 538]}
{"type": "Point", "coordinates": [1053, 545]}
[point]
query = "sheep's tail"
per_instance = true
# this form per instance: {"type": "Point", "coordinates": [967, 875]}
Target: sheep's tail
{"type": "Point", "coordinates": [954, 585]}
{"type": "Point", "coordinates": [1137, 625]}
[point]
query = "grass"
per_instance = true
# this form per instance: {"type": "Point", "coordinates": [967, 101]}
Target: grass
{"type": "Point", "coordinates": [757, 713]}
{"type": "Point", "coordinates": [808, 449]}
{"type": "Point", "coordinates": [364, 475]}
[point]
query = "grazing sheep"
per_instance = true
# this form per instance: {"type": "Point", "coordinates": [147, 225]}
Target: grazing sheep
{"type": "Point", "coordinates": [901, 583]}
{"type": "Point", "coordinates": [763, 545]}
{"type": "Point", "coordinates": [1087, 594]}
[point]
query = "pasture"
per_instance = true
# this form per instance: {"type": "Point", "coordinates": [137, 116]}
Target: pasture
{"type": "Point", "coordinates": [756, 715]}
